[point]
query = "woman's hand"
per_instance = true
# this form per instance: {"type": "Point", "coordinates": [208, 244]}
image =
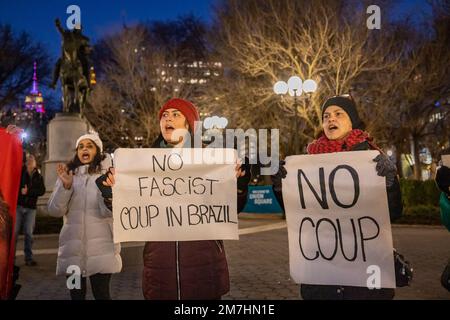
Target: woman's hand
{"type": "Point", "coordinates": [24, 190]}
{"type": "Point", "coordinates": [66, 177]}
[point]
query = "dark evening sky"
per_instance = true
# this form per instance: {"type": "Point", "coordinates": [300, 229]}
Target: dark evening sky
{"type": "Point", "coordinates": [101, 16]}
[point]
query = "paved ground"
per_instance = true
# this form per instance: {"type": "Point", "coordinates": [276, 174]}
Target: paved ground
{"type": "Point", "coordinates": [258, 262]}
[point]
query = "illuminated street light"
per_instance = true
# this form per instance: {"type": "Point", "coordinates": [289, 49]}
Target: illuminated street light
{"type": "Point", "coordinates": [309, 86]}
{"type": "Point", "coordinates": [215, 122]}
{"type": "Point", "coordinates": [295, 86]}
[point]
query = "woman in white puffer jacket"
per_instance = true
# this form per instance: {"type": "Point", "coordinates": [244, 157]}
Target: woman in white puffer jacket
{"type": "Point", "coordinates": [86, 238]}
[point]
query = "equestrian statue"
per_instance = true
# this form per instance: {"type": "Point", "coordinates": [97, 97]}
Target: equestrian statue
{"type": "Point", "coordinates": [73, 69]}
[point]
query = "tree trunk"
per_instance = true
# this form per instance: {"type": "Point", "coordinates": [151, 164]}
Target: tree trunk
{"type": "Point", "coordinates": [414, 143]}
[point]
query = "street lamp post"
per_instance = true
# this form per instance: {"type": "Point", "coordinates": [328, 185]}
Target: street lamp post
{"type": "Point", "coordinates": [295, 86]}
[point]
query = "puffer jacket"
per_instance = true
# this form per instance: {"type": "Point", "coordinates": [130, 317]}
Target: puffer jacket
{"type": "Point", "coordinates": [187, 270]}
{"type": "Point", "coordinates": [86, 238]}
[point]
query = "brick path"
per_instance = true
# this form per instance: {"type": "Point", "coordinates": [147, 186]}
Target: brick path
{"type": "Point", "coordinates": [258, 262]}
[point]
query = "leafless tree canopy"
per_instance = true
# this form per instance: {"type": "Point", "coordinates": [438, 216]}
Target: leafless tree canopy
{"type": "Point", "coordinates": [326, 41]}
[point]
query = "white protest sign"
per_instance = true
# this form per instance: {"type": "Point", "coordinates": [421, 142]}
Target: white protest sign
{"type": "Point", "coordinates": [446, 160]}
{"type": "Point", "coordinates": [338, 220]}
{"type": "Point", "coordinates": [175, 195]}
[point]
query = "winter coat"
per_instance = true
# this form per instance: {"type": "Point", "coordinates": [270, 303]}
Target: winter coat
{"type": "Point", "coordinates": [445, 210]}
{"type": "Point", "coordinates": [86, 238]}
{"type": "Point", "coordinates": [186, 270]}
{"type": "Point", "coordinates": [330, 292]}
{"type": "Point", "coordinates": [36, 188]}
{"type": "Point", "coordinates": [10, 168]}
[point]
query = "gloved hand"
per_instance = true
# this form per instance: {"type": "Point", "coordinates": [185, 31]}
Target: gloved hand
{"type": "Point", "coordinates": [386, 168]}
{"type": "Point", "coordinates": [277, 177]}
{"type": "Point", "coordinates": [105, 190]}
{"type": "Point", "coordinates": [443, 179]}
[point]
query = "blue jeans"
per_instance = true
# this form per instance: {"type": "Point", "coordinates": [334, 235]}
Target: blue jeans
{"type": "Point", "coordinates": [27, 218]}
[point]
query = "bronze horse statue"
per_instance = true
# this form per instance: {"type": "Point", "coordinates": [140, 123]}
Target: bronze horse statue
{"type": "Point", "coordinates": [73, 69]}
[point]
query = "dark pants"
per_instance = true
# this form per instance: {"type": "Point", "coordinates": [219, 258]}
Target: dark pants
{"type": "Point", "coordinates": [99, 285]}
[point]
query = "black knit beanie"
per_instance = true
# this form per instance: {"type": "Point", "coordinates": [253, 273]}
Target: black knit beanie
{"type": "Point", "coordinates": [348, 105]}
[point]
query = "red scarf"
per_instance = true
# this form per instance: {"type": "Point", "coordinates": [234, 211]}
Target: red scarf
{"type": "Point", "coordinates": [324, 145]}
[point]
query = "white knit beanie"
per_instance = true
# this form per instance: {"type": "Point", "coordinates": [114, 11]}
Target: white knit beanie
{"type": "Point", "coordinates": [92, 136]}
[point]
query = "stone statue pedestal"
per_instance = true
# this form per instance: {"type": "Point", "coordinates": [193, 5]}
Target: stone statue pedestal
{"type": "Point", "coordinates": [62, 133]}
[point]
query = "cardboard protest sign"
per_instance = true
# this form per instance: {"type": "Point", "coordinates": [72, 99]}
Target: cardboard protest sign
{"type": "Point", "coordinates": [338, 220]}
{"type": "Point", "coordinates": [446, 160]}
{"type": "Point", "coordinates": [175, 195]}
{"type": "Point", "coordinates": [10, 173]}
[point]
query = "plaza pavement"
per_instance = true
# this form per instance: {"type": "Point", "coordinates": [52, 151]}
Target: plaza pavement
{"type": "Point", "coordinates": [258, 263]}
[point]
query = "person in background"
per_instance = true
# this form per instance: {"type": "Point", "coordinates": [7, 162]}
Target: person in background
{"type": "Point", "coordinates": [343, 130]}
{"type": "Point", "coordinates": [443, 183]}
{"type": "Point", "coordinates": [86, 238]}
{"type": "Point", "coordinates": [31, 187]}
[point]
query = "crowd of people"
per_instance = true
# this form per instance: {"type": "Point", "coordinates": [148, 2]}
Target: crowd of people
{"type": "Point", "coordinates": [83, 196]}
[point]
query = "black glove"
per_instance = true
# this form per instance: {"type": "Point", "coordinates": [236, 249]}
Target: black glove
{"type": "Point", "coordinates": [105, 190]}
{"type": "Point", "coordinates": [386, 168]}
{"type": "Point", "coordinates": [108, 203]}
{"type": "Point", "coordinates": [277, 177]}
{"type": "Point", "coordinates": [443, 179]}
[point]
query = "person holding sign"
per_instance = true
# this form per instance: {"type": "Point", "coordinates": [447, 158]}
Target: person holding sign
{"type": "Point", "coordinates": [443, 183]}
{"type": "Point", "coordinates": [86, 246]}
{"type": "Point", "coordinates": [181, 270]}
{"type": "Point", "coordinates": [343, 131]}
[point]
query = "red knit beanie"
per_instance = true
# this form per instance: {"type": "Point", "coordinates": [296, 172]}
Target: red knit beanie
{"type": "Point", "coordinates": [185, 107]}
